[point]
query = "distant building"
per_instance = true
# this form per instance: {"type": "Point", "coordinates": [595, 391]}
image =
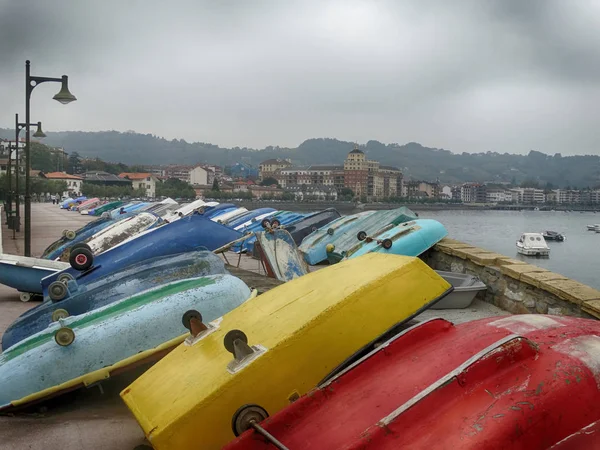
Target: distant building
{"type": "Point", "coordinates": [497, 195]}
{"type": "Point", "coordinates": [74, 182]}
{"type": "Point", "coordinates": [312, 192]}
{"type": "Point", "coordinates": [145, 181]}
{"type": "Point", "coordinates": [265, 191]}
{"type": "Point", "coordinates": [423, 189]}
{"type": "Point", "coordinates": [104, 179]}
{"type": "Point", "coordinates": [267, 169]}
{"type": "Point", "coordinates": [243, 170]}
{"type": "Point", "coordinates": [310, 175]}
{"type": "Point", "coordinates": [356, 172]}
{"type": "Point", "coordinates": [533, 195]}
{"type": "Point", "coordinates": [568, 196]}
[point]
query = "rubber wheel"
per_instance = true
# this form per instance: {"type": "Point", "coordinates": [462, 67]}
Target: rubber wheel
{"type": "Point", "coordinates": [188, 316]}
{"type": "Point", "coordinates": [57, 291]}
{"type": "Point", "coordinates": [242, 418]}
{"type": "Point", "coordinates": [25, 296]}
{"type": "Point", "coordinates": [59, 314]}
{"type": "Point", "coordinates": [313, 229]}
{"type": "Point", "coordinates": [231, 337]}
{"type": "Point", "coordinates": [81, 245]}
{"type": "Point", "coordinates": [265, 223]}
{"type": "Point", "coordinates": [361, 236]}
{"type": "Point", "coordinates": [387, 244]}
{"type": "Point", "coordinates": [275, 223]}
{"type": "Point", "coordinates": [81, 259]}
{"type": "Point", "coordinates": [70, 235]}
{"type": "Point", "coordinates": [64, 336]}
{"type": "Point", "coordinates": [65, 278]}
{"type": "Point", "coordinates": [64, 232]}
{"type": "Point", "coordinates": [330, 231]}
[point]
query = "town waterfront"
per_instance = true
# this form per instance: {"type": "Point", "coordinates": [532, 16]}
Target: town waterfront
{"type": "Point", "coordinates": [497, 231]}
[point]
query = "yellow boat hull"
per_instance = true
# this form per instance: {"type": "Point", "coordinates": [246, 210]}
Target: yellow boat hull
{"type": "Point", "coordinates": [305, 327]}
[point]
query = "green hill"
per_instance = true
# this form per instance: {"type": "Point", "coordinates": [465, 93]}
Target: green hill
{"type": "Point", "coordinates": [416, 161]}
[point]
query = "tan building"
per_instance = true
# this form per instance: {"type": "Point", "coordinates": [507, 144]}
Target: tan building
{"type": "Point", "coordinates": [322, 175]}
{"type": "Point", "coordinates": [356, 172]}
{"type": "Point", "coordinates": [267, 169]}
{"type": "Point", "coordinates": [73, 182]}
{"type": "Point", "coordinates": [146, 181]}
{"type": "Point", "coordinates": [423, 189]}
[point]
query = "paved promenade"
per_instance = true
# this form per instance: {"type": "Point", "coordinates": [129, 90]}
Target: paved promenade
{"type": "Point", "coordinates": [85, 419]}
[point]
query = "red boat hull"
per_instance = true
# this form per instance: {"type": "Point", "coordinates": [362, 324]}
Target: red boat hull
{"type": "Point", "coordinates": [519, 382]}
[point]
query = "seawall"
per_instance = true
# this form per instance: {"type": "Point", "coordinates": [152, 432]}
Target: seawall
{"type": "Point", "coordinates": [515, 285]}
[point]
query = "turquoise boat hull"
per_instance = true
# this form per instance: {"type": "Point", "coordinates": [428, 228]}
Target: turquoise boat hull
{"type": "Point", "coordinates": [344, 236]}
{"type": "Point", "coordinates": [116, 334]}
{"type": "Point", "coordinates": [409, 239]}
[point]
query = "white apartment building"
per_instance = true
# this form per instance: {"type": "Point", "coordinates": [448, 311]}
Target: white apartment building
{"type": "Point", "coordinates": [146, 181]}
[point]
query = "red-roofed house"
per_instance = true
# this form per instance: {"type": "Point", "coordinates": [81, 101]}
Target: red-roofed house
{"type": "Point", "coordinates": [73, 182]}
{"type": "Point", "coordinates": [145, 181]}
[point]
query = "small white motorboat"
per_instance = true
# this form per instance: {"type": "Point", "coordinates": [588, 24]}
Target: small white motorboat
{"type": "Point", "coordinates": [594, 227]}
{"type": "Point", "coordinates": [533, 244]}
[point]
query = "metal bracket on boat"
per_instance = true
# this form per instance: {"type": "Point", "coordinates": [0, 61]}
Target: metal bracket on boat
{"type": "Point", "coordinates": [236, 343]}
{"type": "Point", "coordinates": [210, 328]}
{"type": "Point", "coordinates": [249, 416]}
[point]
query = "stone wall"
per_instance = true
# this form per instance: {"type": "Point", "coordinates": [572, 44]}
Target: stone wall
{"type": "Point", "coordinates": [515, 285]}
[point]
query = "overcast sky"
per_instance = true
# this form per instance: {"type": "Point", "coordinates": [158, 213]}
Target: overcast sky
{"type": "Point", "coordinates": [466, 75]}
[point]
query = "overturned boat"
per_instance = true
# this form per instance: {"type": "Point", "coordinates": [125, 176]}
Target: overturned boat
{"type": "Point", "coordinates": [311, 223]}
{"type": "Point", "coordinates": [492, 384]}
{"type": "Point", "coordinates": [408, 238]}
{"type": "Point", "coordinates": [69, 298]}
{"type": "Point", "coordinates": [184, 235]}
{"type": "Point", "coordinates": [276, 347]}
{"type": "Point", "coordinates": [82, 350]}
{"type": "Point", "coordinates": [24, 273]}
{"type": "Point", "coordinates": [343, 235]}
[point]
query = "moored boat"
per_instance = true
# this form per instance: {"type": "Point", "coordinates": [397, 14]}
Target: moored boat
{"type": "Point", "coordinates": [593, 227]}
{"type": "Point", "coordinates": [249, 217]}
{"type": "Point", "coordinates": [66, 204]}
{"type": "Point", "coordinates": [277, 347]}
{"type": "Point", "coordinates": [553, 236]}
{"type": "Point", "coordinates": [82, 350]}
{"type": "Point", "coordinates": [532, 244]}
{"type": "Point", "coordinates": [73, 299]}
{"type": "Point", "coordinates": [285, 218]}
{"type": "Point", "coordinates": [494, 383]}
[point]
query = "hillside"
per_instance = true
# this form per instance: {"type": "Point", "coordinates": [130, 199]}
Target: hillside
{"type": "Point", "coordinates": [416, 161]}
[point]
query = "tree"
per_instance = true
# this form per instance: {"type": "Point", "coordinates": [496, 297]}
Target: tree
{"type": "Point", "coordinates": [74, 164]}
{"type": "Point", "coordinates": [215, 186]}
{"type": "Point", "coordinates": [269, 181]}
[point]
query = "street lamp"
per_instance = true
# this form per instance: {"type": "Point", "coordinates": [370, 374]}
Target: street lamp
{"type": "Point", "coordinates": [38, 134]}
{"type": "Point", "coordinates": [64, 97]}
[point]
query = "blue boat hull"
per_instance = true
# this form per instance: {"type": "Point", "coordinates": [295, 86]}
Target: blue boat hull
{"type": "Point", "coordinates": [104, 291]}
{"type": "Point", "coordinates": [311, 223]}
{"type": "Point", "coordinates": [141, 326]}
{"type": "Point", "coordinates": [248, 216]}
{"type": "Point", "coordinates": [345, 238]}
{"type": "Point", "coordinates": [285, 218]}
{"type": "Point", "coordinates": [408, 239]}
{"type": "Point", "coordinates": [23, 279]}
{"type": "Point", "coordinates": [57, 248]}
{"type": "Point", "coordinates": [184, 235]}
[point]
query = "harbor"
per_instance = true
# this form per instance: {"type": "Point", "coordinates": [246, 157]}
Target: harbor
{"type": "Point", "coordinates": [98, 416]}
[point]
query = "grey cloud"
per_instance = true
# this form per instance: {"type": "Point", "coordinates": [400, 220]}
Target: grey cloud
{"type": "Point", "coordinates": [468, 75]}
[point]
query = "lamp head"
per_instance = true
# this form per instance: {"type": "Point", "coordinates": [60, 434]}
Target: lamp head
{"type": "Point", "coordinates": [64, 96]}
{"type": "Point", "coordinates": [39, 133]}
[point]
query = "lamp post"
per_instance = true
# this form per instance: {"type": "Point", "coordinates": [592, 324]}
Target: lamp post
{"type": "Point", "coordinates": [64, 97]}
{"type": "Point", "coordinates": [38, 134]}
{"type": "Point", "coordinates": [9, 181]}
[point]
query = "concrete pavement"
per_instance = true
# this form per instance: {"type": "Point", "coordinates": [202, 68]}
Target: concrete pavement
{"type": "Point", "coordinates": [85, 419]}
